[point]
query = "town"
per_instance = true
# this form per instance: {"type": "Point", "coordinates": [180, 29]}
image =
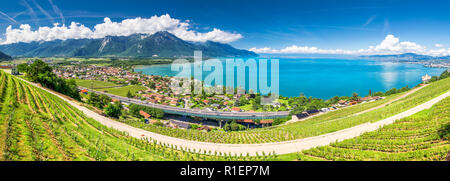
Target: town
{"type": "Point", "coordinates": [156, 89]}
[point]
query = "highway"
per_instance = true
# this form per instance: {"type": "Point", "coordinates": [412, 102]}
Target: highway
{"type": "Point", "coordinates": [198, 113]}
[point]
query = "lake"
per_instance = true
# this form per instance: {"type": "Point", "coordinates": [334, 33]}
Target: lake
{"type": "Point", "coordinates": [325, 78]}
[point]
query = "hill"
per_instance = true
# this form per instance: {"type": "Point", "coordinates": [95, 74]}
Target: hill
{"type": "Point", "coordinates": [161, 44]}
{"type": "Point", "coordinates": [36, 125]}
{"type": "Point", "coordinates": [3, 56]}
{"type": "Point", "coordinates": [422, 136]}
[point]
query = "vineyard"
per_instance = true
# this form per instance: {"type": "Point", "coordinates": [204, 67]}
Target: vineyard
{"type": "Point", "coordinates": [36, 125]}
{"type": "Point", "coordinates": [322, 124]}
{"type": "Point", "coordinates": [422, 136]}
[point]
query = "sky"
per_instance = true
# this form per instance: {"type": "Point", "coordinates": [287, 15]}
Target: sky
{"type": "Point", "coordinates": [279, 27]}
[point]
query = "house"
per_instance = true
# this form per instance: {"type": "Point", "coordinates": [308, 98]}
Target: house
{"type": "Point", "coordinates": [205, 128]}
{"type": "Point", "coordinates": [205, 101]}
{"type": "Point", "coordinates": [236, 109]}
{"type": "Point", "coordinates": [368, 98]}
{"type": "Point", "coordinates": [152, 121]}
{"type": "Point", "coordinates": [152, 101]}
{"type": "Point", "coordinates": [248, 121]}
{"type": "Point", "coordinates": [146, 115]}
{"type": "Point", "coordinates": [301, 115]}
{"type": "Point", "coordinates": [266, 122]}
{"type": "Point", "coordinates": [352, 103]}
{"type": "Point", "coordinates": [426, 78]}
{"type": "Point", "coordinates": [181, 124]}
{"type": "Point", "coordinates": [312, 111]}
{"type": "Point", "coordinates": [173, 103]}
{"type": "Point", "coordinates": [342, 102]}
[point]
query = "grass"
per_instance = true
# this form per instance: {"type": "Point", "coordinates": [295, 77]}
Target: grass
{"type": "Point", "coordinates": [122, 91]}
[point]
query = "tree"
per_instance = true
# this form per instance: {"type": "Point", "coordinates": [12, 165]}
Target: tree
{"type": "Point", "coordinates": [114, 110]}
{"type": "Point", "coordinates": [227, 127]}
{"type": "Point", "coordinates": [42, 73]}
{"type": "Point", "coordinates": [23, 67]}
{"type": "Point", "coordinates": [36, 68]}
{"type": "Point", "coordinates": [355, 96]}
{"type": "Point", "coordinates": [129, 94]}
{"type": "Point", "coordinates": [391, 91]}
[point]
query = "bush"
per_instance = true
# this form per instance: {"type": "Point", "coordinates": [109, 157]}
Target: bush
{"type": "Point", "coordinates": [194, 126]}
{"type": "Point", "coordinates": [114, 110]}
{"type": "Point", "coordinates": [41, 72]}
{"type": "Point", "coordinates": [154, 112]}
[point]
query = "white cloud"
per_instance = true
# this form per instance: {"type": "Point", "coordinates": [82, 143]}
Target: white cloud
{"type": "Point", "coordinates": [437, 45]}
{"type": "Point", "coordinates": [390, 45]}
{"type": "Point", "coordinates": [124, 28]}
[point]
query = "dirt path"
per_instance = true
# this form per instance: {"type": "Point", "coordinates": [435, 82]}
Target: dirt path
{"type": "Point", "coordinates": [278, 147]}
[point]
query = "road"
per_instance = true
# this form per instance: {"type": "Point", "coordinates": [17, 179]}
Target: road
{"type": "Point", "coordinates": [236, 149]}
{"type": "Point", "coordinates": [198, 113]}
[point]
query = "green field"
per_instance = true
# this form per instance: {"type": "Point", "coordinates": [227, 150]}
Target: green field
{"type": "Point", "coordinates": [36, 125]}
{"type": "Point", "coordinates": [100, 86]}
{"type": "Point", "coordinates": [122, 91]}
{"type": "Point", "coordinates": [94, 83]}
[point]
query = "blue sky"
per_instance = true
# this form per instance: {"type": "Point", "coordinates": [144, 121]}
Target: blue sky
{"type": "Point", "coordinates": [327, 25]}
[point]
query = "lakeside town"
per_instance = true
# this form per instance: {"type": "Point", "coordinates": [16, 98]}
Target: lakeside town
{"type": "Point", "coordinates": [156, 89]}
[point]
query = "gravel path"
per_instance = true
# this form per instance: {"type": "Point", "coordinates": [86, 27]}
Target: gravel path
{"type": "Point", "coordinates": [252, 149]}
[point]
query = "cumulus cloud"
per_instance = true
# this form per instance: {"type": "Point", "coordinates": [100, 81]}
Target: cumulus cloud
{"type": "Point", "coordinates": [124, 28]}
{"type": "Point", "coordinates": [437, 45]}
{"type": "Point", "coordinates": [393, 45]}
{"type": "Point", "coordinates": [390, 45]}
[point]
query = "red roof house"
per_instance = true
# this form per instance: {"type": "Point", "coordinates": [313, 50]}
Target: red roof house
{"type": "Point", "coordinates": [142, 113]}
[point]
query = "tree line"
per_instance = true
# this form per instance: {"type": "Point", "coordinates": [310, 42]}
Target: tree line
{"type": "Point", "coordinates": [42, 73]}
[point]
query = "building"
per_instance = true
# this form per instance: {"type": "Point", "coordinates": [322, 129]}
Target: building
{"type": "Point", "coordinates": [14, 70]}
{"type": "Point", "coordinates": [236, 109]}
{"type": "Point", "coordinates": [426, 78]}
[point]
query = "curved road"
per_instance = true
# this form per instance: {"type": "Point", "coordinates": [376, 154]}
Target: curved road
{"type": "Point", "coordinates": [199, 113]}
{"type": "Point", "coordinates": [277, 147]}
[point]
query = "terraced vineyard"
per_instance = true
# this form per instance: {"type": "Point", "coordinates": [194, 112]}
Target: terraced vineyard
{"type": "Point", "coordinates": [322, 124]}
{"type": "Point", "coordinates": [36, 125]}
{"type": "Point", "coordinates": [422, 136]}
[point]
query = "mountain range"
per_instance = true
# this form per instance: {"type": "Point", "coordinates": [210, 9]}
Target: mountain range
{"type": "Point", "coordinates": [160, 44]}
{"type": "Point", "coordinates": [410, 57]}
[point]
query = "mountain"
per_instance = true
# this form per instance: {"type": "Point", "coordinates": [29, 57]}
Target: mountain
{"type": "Point", "coordinates": [409, 57]}
{"type": "Point", "coordinates": [161, 44]}
{"type": "Point", "coordinates": [4, 56]}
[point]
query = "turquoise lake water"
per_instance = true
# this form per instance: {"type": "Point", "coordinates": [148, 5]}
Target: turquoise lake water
{"type": "Point", "coordinates": [325, 78]}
